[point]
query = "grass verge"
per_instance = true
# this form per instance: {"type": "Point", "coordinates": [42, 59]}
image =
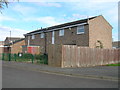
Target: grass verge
{"type": "Point", "coordinates": [117, 64]}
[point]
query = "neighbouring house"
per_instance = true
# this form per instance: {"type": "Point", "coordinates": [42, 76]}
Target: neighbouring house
{"type": "Point", "coordinates": [116, 44]}
{"type": "Point", "coordinates": [94, 32]}
{"type": "Point", "coordinates": [1, 43]}
{"type": "Point", "coordinates": [1, 46]}
{"type": "Point", "coordinates": [13, 45]}
{"type": "Point", "coordinates": [11, 39]}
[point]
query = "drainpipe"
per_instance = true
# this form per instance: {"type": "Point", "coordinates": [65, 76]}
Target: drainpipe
{"type": "Point", "coordinates": [45, 39]}
{"type": "Point", "coordinates": [28, 40]}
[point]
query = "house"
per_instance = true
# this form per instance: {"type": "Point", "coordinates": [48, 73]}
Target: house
{"type": "Point", "coordinates": [1, 46]}
{"type": "Point", "coordinates": [13, 45]}
{"type": "Point", "coordinates": [94, 32]}
{"type": "Point", "coordinates": [116, 44]}
{"type": "Point", "coordinates": [11, 39]}
{"type": "Point", "coordinates": [1, 43]}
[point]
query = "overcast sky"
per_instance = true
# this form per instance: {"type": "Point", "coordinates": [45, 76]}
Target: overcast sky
{"type": "Point", "coordinates": [22, 17]}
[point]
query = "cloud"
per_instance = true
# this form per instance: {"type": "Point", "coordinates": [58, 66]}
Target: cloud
{"type": "Point", "coordinates": [78, 16]}
{"type": "Point", "coordinates": [6, 18]}
{"type": "Point", "coordinates": [48, 20]}
{"type": "Point", "coordinates": [5, 32]}
{"type": "Point", "coordinates": [50, 4]}
{"type": "Point", "coordinates": [115, 36]}
{"type": "Point", "coordinates": [24, 10]}
{"type": "Point", "coordinates": [113, 13]}
{"type": "Point", "coordinates": [64, 0]}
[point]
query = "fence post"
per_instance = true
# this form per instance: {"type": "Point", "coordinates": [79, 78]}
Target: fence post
{"type": "Point", "coordinates": [32, 58]}
{"type": "Point", "coordinates": [9, 55]}
{"type": "Point", "coordinates": [2, 56]}
{"type": "Point", "coordinates": [15, 56]}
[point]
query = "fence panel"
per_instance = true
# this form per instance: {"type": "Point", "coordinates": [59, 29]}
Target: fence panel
{"type": "Point", "coordinates": [74, 56]}
{"type": "Point", "coordinates": [55, 55]}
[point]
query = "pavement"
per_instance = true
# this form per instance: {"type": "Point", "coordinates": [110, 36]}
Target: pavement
{"type": "Point", "coordinates": [13, 77]}
{"type": "Point", "coordinates": [98, 72]}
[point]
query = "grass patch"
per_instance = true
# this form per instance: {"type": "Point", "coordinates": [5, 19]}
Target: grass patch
{"type": "Point", "coordinates": [118, 64]}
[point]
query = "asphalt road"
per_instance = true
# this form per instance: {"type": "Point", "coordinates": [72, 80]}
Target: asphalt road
{"type": "Point", "coordinates": [19, 78]}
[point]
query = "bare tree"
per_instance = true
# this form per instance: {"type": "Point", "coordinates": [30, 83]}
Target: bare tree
{"type": "Point", "coordinates": [3, 3]}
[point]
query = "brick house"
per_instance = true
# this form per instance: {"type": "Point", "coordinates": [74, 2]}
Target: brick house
{"type": "Point", "coordinates": [90, 32]}
{"type": "Point", "coordinates": [1, 46]}
{"type": "Point", "coordinates": [13, 45]}
{"type": "Point", "coordinates": [11, 39]}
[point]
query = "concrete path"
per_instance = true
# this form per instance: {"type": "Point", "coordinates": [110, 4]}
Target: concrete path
{"type": "Point", "coordinates": [98, 72]}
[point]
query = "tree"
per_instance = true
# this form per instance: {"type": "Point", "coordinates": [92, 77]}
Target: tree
{"type": "Point", "coordinates": [3, 3]}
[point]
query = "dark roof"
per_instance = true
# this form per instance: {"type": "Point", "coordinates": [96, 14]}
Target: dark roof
{"type": "Point", "coordinates": [18, 40]}
{"type": "Point", "coordinates": [63, 25]}
{"type": "Point", "coordinates": [13, 38]}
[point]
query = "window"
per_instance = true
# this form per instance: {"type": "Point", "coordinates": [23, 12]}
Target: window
{"type": "Point", "coordinates": [42, 35]}
{"type": "Point", "coordinates": [33, 36]}
{"type": "Point", "coordinates": [61, 32]}
{"type": "Point", "coordinates": [53, 38]}
{"type": "Point", "coordinates": [80, 29]}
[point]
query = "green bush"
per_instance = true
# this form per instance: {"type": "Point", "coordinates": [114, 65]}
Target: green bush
{"type": "Point", "coordinates": [41, 58]}
{"type": "Point", "coordinates": [26, 55]}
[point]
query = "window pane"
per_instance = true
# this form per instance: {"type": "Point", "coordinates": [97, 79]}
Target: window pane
{"type": "Point", "coordinates": [42, 35]}
{"type": "Point", "coordinates": [33, 36]}
{"type": "Point", "coordinates": [53, 38]}
{"type": "Point", "coordinates": [80, 29]}
{"type": "Point", "coordinates": [61, 32]}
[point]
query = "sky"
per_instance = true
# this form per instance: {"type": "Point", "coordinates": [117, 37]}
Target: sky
{"type": "Point", "coordinates": [27, 15]}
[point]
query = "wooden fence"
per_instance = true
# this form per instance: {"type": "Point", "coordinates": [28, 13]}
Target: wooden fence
{"type": "Point", "coordinates": [74, 56]}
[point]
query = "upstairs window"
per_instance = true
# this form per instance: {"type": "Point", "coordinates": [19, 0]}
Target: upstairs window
{"type": "Point", "coordinates": [80, 29]}
{"type": "Point", "coordinates": [61, 32]}
{"type": "Point", "coordinates": [53, 38]}
{"type": "Point", "coordinates": [33, 36]}
{"type": "Point", "coordinates": [42, 35]}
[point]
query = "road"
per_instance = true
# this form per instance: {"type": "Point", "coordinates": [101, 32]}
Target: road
{"type": "Point", "coordinates": [23, 78]}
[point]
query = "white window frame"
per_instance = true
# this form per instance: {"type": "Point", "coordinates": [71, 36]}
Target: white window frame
{"type": "Point", "coordinates": [81, 27]}
{"type": "Point", "coordinates": [42, 35]}
{"type": "Point", "coordinates": [33, 36]}
{"type": "Point", "coordinates": [53, 37]}
{"type": "Point", "coordinates": [61, 32]}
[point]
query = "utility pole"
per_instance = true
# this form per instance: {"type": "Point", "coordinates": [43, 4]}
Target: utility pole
{"type": "Point", "coordinates": [9, 43]}
{"type": "Point", "coordinates": [10, 36]}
